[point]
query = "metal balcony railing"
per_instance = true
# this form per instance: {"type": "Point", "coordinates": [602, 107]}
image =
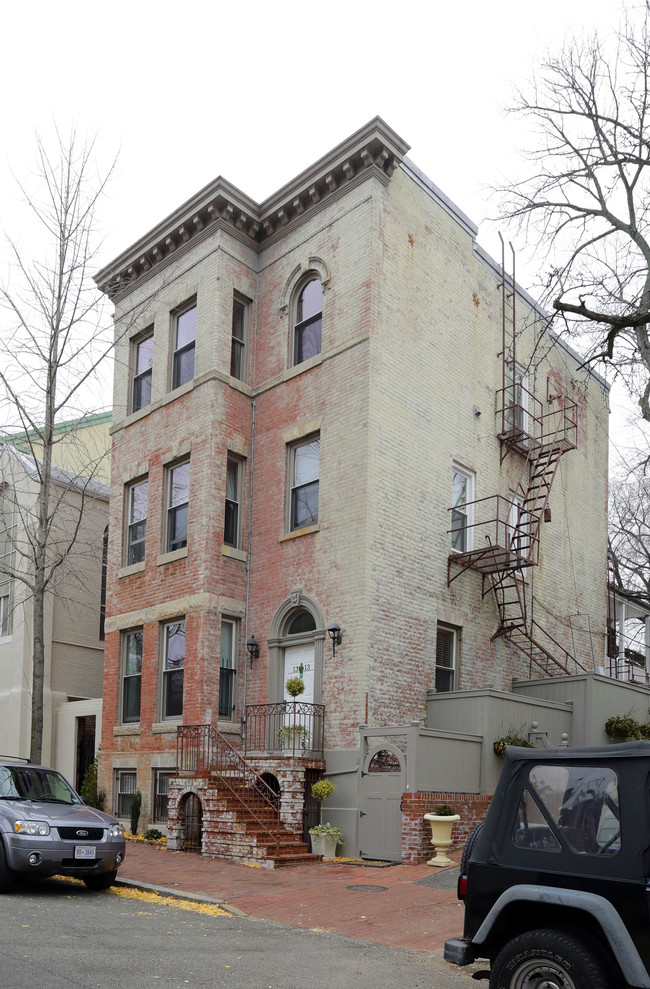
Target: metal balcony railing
{"type": "Point", "coordinates": [293, 727]}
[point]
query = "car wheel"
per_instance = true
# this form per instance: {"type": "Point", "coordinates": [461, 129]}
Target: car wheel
{"type": "Point", "coordinates": [7, 876]}
{"type": "Point", "coordinates": [469, 848]}
{"type": "Point", "coordinates": [550, 959]}
{"type": "Point", "coordinates": [102, 881]}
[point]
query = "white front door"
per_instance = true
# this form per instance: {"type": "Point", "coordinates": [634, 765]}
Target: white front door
{"type": "Point", "coordinates": [294, 657]}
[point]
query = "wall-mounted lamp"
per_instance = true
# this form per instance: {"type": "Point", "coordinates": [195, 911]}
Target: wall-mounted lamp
{"type": "Point", "coordinates": [334, 632]}
{"type": "Point", "coordinates": [253, 647]}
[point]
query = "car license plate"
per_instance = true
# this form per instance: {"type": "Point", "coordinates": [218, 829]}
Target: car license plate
{"type": "Point", "coordinates": [84, 851]}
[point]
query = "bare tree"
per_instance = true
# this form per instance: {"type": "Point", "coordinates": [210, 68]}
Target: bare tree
{"type": "Point", "coordinates": [629, 533]}
{"type": "Point", "coordinates": [586, 205]}
{"type": "Point", "coordinates": [53, 340]}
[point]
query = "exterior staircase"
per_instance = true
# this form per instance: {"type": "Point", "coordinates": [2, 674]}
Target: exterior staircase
{"type": "Point", "coordinates": [511, 530]}
{"type": "Point", "coordinates": [241, 815]}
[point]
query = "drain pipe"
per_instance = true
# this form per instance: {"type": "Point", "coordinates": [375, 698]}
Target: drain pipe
{"type": "Point", "coordinates": [248, 570]}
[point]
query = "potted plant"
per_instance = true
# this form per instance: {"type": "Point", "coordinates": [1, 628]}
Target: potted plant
{"type": "Point", "coordinates": [320, 791]}
{"type": "Point", "coordinates": [324, 839]}
{"type": "Point", "coordinates": [293, 736]}
{"type": "Point", "coordinates": [295, 687]}
{"type": "Point", "coordinates": [622, 726]}
{"type": "Point", "coordinates": [512, 737]}
{"type": "Point", "coordinates": [442, 820]}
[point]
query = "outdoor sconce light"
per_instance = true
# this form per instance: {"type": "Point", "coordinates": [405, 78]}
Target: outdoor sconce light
{"type": "Point", "coordinates": [335, 635]}
{"type": "Point", "coordinates": [253, 647]}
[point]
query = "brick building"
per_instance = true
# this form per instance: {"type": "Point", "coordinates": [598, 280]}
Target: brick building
{"type": "Point", "coordinates": [320, 420]}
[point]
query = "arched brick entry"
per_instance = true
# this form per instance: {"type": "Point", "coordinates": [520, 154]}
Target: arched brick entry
{"type": "Point", "coordinates": [191, 821]}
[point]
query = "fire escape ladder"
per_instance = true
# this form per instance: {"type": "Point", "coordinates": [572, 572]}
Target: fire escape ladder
{"type": "Point", "coordinates": [201, 750]}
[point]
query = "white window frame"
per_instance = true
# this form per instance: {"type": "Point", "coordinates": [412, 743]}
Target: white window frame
{"type": "Point", "coordinates": [300, 325]}
{"type": "Point", "coordinates": [167, 670]}
{"type": "Point", "coordinates": [5, 614]}
{"type": "Point", "coordinates": [229, 662]}
{"type": "Point", "coordinates": [172, 508]}
{"type": "Point", "coordinates": [515, 538]}
{"type": "Point", "coordinates": [139, 376]}
{"type": "Point", "coordinates": [295, 488]}
{"type": "Point", "coordinates": [132, 523]}
{"type": "Point", "coordinates": [521, 392]}
{"type": "Point", "coordinates": [237, 466]}
{"type": "Point", "coordinates": [239, 345]}
{"type": "Point", "coordinates": [122, 793]}
{"type": "Point", "coordinates": [465, 508]}
{"type": "Point", "coordinates": [180, 351]}
{"type": "Point", "coordinates": [125, 676]}
{"type": "Point", "coordinates": [452, 669]}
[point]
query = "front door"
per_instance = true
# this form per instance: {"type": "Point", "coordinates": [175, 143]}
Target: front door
{"type": "Point", "coordinates": [294, 658]}
{"type": "Point", "coordinates": [382, 786]}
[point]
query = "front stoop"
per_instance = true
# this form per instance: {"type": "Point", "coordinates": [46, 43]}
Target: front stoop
{"type": "Point", "coordinates": [231, 832]}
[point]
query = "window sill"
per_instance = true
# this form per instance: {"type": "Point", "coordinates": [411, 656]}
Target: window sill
{"type": "Point", "coordinates": [291, 372]}
{"type": "Point", "coordinates": [134, 729]}
{"type": "Point", "coordinates": [299, 532]}
{"type": "Point", "coordinates": [178, 392]}
{"type": "Point", "coordinates": [240, 385]}
{"type": "Point", "coordinates": [229, 727]}
{"type": "Point", "coordinates": [131, 569]}
{"type": "Point", "coordinates": [176, 554]}
{"type": "Point", "coordinates": [4, 639]}
{"type": "Point", "coordinates": [165, 727]}
{"type": "Point", "coordinates": [234, 554]}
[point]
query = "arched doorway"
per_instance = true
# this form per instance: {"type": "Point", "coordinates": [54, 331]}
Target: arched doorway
{"type": "Point", "coordinates": [273, 785]}
{"type": "Point", "coordinates": [191, 819]}
{"type": "Point", "coordinates": [296, 640]}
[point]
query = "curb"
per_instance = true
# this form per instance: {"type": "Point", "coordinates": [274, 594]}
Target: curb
{"type": "Point", "coordinates": [179, 895]}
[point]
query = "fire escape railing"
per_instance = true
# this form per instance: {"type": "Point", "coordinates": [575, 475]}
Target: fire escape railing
{"type": "Point", "coordinates": [203, 751]}
{"type": "Point", "coordinates": [293, 727]}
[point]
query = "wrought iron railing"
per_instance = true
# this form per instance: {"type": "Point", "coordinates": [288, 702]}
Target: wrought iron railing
{"type": "Point", "coordinates": [293, 727]}
{"type": "Point", "coordinates": [202, 751]}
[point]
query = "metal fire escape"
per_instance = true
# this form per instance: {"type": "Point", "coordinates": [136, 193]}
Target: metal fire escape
{"type": "Point", "coordinates": [499, 536]}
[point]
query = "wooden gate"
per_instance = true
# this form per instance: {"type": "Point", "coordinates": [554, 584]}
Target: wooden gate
{"type": "Point", "coordinates": [382, 785]}
{"type": "Point", "coordinates": [191, 815]}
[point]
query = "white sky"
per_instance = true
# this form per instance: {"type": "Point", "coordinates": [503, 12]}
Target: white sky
{"type": "Point", "coordinates": [257, 91]}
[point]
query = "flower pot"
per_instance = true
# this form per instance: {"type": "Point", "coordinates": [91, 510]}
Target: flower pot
{"type": "Point", "coordinates": [322, 844]}
{"type": "Point", "coordinates": [441, 837]}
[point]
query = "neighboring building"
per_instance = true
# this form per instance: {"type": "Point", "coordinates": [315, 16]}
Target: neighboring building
{"type": "Point", "coordinates": [74, 616]}
{"type": "Point", "coordinates": [319, 420]}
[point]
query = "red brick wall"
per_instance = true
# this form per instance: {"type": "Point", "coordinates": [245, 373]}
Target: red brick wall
{"type": "Point", "coordinates": [416, 832]}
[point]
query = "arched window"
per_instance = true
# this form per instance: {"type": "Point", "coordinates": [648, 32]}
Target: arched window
{"type": "Point", "coordinates": [309, 321]}
{"type": "Point", "coordinates": [302, 622]}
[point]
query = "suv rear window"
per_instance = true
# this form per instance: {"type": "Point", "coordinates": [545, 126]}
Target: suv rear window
{"type": "Point", "coordinates": [577, 803]}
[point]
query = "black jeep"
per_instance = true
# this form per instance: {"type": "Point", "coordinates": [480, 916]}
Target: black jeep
{"type": "Point", "coordinates": [556, 881]}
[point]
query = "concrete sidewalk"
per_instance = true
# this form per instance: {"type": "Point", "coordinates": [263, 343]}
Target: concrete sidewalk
{"type": "Point", "coordinates": [401, 906]}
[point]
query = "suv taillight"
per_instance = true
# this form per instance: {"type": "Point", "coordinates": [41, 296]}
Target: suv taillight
{"type": "Point", "coordinates": [462, 887]}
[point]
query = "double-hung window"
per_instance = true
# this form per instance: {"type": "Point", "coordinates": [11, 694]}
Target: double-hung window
{"type": "Point", "coordinates": [462, 496]}
{"type": "Point", "coordinates": [178, 497]}
{"type": "Point", "coordinates": [238, 339]}
{"type": "Point", "coordinates": [161, 794]}
{"type": "Point", "coordinates": [227, 671]}
{"type": "Point", "coordinates": [446, 658]}
{"type": "Point", "coordinates": [8, 529]}
{"type": "Point", "coordinates": [132, 676]}
{"type": "Point", "coordinates": [309, 322]}
{"type": "Point", "coordinates": [136, 528]}
{"type": "Point", "coordinates": [125, 787]}
{"type": "Point", "coordinates": [231, 526]}
{"type": "Point", "coordinates": [4, 614]}
{"type": "Point", "coordinates": [305, 470]}
{"type": "Point", "coordinates": [184, 342]}
{"type": "Point", "coordinates": [517, 400]}
{"type": "Point", "coordinates": [142, 370]}
{"type": "Point", "coordinates": [173, 670]}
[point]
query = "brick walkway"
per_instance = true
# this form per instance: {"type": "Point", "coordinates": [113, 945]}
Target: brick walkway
{"type": "Point", "coordinates": [403, 915]}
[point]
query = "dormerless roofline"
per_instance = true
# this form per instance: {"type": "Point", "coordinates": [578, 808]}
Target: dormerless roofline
{"type": "Point", "coordinates": [374, 149]}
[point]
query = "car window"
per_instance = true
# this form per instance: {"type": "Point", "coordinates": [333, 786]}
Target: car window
{"type": "Point", "coordinates": [8, 788]}
{"type": "Point", "coordinates": [582, 803]}
{"type": "Point", "coordinates": [35, 783]}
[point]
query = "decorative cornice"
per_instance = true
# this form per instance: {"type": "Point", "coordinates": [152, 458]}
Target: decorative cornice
{"type": "Point", "coordinates": [373, 150]}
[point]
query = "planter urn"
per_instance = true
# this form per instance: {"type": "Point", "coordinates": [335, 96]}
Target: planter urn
{"type": "Point", "coordinates": [441, 837]}
{"type": "Point", "coordinates": [322, 844]}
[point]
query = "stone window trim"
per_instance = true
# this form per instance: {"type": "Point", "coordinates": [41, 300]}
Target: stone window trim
{"type": "Point", "coordinates": [311, 265]}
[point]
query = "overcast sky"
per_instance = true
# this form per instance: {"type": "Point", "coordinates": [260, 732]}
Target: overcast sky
{"type": "Point", "coordinates": [256, 91]}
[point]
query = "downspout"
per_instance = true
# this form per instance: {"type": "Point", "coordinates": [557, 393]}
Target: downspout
{"type": "Point", "coordinates": [248, 569]}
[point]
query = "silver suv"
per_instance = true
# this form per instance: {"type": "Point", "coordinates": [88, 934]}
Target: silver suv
{"type": "Point", "coordinates": [46, 829]}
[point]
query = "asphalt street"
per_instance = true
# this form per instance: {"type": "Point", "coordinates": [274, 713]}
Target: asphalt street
{"type": "Point", "coordinates": [58, 934]}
